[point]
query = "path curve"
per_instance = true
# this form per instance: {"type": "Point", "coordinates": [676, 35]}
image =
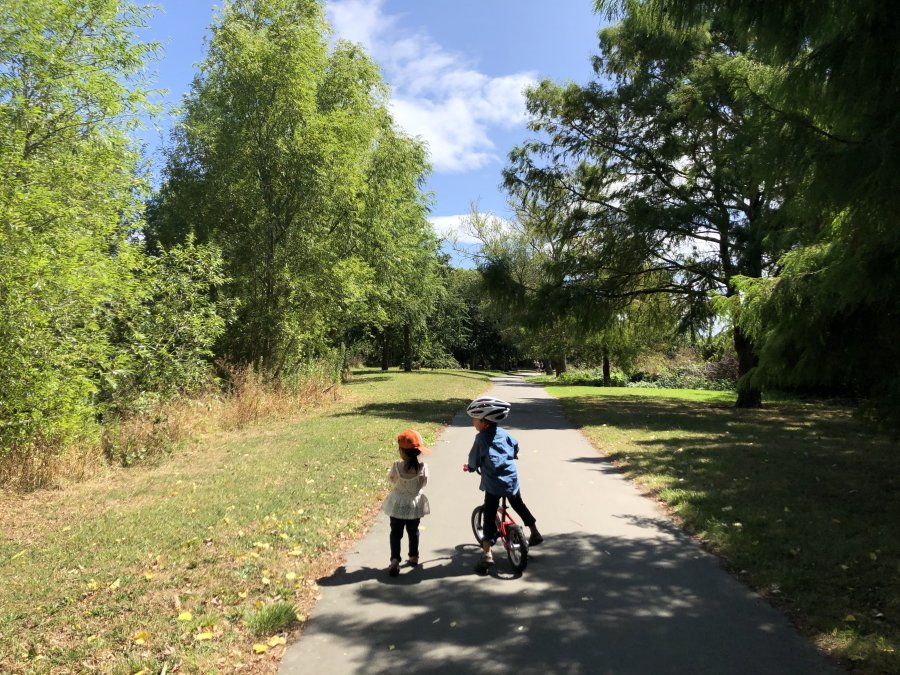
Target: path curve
{"type": "Point", "coordinates": [614, 588]}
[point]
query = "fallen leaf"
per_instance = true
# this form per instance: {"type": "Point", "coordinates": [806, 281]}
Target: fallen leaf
{"type": "Point", "coordinates": [141, 637]}
{"type": "Point", "coordinates": [148, 575]}
{"type": "Point", "coordinates": [202, 637]}
{"type": "Point", "coordinates": [277, 640]}
{"type": "Point", "coordinates": [114, 585]}
{"type": "Point", "coordinates": [185, 616]}
{"type": "Point", "coordinates": [260, 648]}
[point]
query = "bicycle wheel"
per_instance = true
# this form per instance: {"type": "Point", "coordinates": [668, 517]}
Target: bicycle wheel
{"type": "Point", "coordinates": [517, 548]}
{"type": "Point", "coordinates": [478, 524]}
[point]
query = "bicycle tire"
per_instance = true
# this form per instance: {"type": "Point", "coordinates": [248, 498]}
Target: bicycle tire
{"type": "Point", "coordinates": [478, 524]}
{"type": "Point", "coordinates": [517, 548]}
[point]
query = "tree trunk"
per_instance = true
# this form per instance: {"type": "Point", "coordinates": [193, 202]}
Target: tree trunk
{"type": "Point", "coordinates": [560, 365]}
{"type": "Point", "coordinates": [749, 396]}
{"type": "Point", "coordinates": [407, 349]}
{"type": "Point", "coordinates": [607, 381]}
{"type": "Point", "coordinates": [385, 361]}
{"type": "Point", "coordinates": [548, 367]}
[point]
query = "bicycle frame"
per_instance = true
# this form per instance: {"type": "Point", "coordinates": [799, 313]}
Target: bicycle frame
{"type": "Point", "coordinates": [504, 521]}
{"type": "Point", "coordinates": [508, 531]}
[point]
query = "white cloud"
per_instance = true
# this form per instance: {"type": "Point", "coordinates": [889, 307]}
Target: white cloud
{"type": "Point", "coordinates": [436, 95]}
{"type": "Point", "coordinates": [358, 20]}
{"type": "Point", "coordinates": [453, 228]}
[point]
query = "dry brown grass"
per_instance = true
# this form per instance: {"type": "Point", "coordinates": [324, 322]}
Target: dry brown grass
{"type": "Point", "coordinates": [45, 465]}
{"type": "Point", "coordinates": [148, 436]}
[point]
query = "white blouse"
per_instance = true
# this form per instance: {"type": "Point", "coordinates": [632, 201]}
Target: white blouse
{"type": "Point", "coordinates": [407, 500]}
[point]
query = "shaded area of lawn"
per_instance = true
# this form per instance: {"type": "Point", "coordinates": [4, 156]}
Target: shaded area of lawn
{"type": "Point", "coordinates": [801, 500]}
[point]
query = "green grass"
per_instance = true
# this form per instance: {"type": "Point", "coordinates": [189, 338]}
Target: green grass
{"type": "Point", "coordinates": [800, 499]}
{"type": "Point", "coordinates": [272, 619]}
{"type": "Point", "coordinates": [105, 574]}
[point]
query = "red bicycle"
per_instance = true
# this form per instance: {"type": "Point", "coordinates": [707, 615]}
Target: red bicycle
{"type": "Point", "coordinates": [511, 533]}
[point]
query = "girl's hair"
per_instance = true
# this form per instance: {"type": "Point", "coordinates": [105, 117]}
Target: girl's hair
{"type": "Point", "coordinates": [412, 459]}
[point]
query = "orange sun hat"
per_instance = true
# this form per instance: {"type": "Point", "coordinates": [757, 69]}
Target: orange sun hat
{"type": "Point", "coordinates": [412, 440]}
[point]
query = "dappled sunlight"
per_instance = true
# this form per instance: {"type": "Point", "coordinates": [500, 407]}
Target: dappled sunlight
{"type": "Point", "coordinates": [800, 499]}
{"type": "Point", "coordinates": [626, 605]}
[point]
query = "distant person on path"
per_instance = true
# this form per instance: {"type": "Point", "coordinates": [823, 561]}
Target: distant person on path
{"type": "Point", "coordinates": [407, 503]}
{"type": "Point", "coordinates": [494, 453]}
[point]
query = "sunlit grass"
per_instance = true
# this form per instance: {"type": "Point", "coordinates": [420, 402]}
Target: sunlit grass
{"type": "Point", "coordinates": [97, 576]}
{"type": "Point", "coordinates": [801, 499]}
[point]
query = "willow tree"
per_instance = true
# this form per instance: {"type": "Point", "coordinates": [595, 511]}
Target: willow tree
{"type": "Point", "coordinates": [287, 159]}
{"type": "Point", "coordinates": [660, 173]}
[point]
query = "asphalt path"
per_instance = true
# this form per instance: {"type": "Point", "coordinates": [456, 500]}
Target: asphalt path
{"type": "Point", "coordinates": [614, 587]}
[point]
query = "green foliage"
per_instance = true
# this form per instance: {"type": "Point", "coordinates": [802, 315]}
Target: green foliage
{"type": "Point", "coordinates": [69, 196]}
{"type": "Point", "coordinates": [660, 172]}
{"type": "Point", "coordinates": [828, 71]}
{"type": "Point", "coordinates": [89, 324]}
{"type": "Point", "coordinates": [288, 161]}
{"type": "Point", "coordinates": [165, 334]}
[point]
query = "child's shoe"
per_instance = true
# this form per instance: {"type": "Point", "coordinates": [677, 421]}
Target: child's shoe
{"type": "Point", "coordinates": [535, 538]}
{"type": "Point", "coordinates": [413, 560]}
{"type": "Point", "coordinates": [394, 569]}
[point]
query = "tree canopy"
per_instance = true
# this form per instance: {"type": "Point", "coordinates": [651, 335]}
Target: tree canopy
{"type": "Point", "coordinates": [288, 160]}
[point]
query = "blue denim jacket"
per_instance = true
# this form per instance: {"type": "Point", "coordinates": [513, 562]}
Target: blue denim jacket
{"type": "Point", "coordinates": [494, 452]}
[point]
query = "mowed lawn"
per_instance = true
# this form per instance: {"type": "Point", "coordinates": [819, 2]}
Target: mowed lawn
{"type": "Point", "coordinates": [151, 569]}
{"type": "Point", "coordinates": [801, 500]}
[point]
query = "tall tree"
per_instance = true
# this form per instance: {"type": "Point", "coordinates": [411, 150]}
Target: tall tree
{"type": "Point", "coordinates": [660, 173]}
{"type": "Point", "coordinates": [288, 160]}
{"type": "Point", "coordinates": [70, 92]}
{"type": "Point", "coordinates": [830, 318]}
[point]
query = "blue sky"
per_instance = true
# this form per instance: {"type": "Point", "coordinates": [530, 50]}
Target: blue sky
{"type": "Point", "coordinates": [456, 69]}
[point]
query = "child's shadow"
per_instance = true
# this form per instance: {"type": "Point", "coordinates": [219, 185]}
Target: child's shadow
{"type": "Point", "coordinates": [457, 562]}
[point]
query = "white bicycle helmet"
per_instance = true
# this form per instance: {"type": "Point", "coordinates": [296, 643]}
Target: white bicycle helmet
{"type": "Point", "coordinates": [488, 408]}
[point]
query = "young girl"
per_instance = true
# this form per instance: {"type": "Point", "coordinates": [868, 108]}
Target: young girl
{"type": "Point", "coordinates": [406, 504]}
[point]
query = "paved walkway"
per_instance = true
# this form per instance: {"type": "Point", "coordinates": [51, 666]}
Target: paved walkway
{"type": "Point", "coordinates": [614, 588]}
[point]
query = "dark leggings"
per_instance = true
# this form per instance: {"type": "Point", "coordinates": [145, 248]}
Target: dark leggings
{"type": "Point", "coordinates": [412, 530]}
{"type": "Point", "coordinates": [492, 503]}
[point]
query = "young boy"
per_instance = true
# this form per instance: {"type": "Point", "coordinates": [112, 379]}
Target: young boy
{"type": "Point", "coordinates": [494, 452]}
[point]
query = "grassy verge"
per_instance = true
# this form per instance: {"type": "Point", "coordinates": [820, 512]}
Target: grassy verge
{"type": "Point", "coordinates": [202, 562]}
{"type": "Point", "coordinates": [800, 500]}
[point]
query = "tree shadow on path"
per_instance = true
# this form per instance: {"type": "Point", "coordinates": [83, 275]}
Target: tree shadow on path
{"type": "Point", "coordinates": [586, 604]}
